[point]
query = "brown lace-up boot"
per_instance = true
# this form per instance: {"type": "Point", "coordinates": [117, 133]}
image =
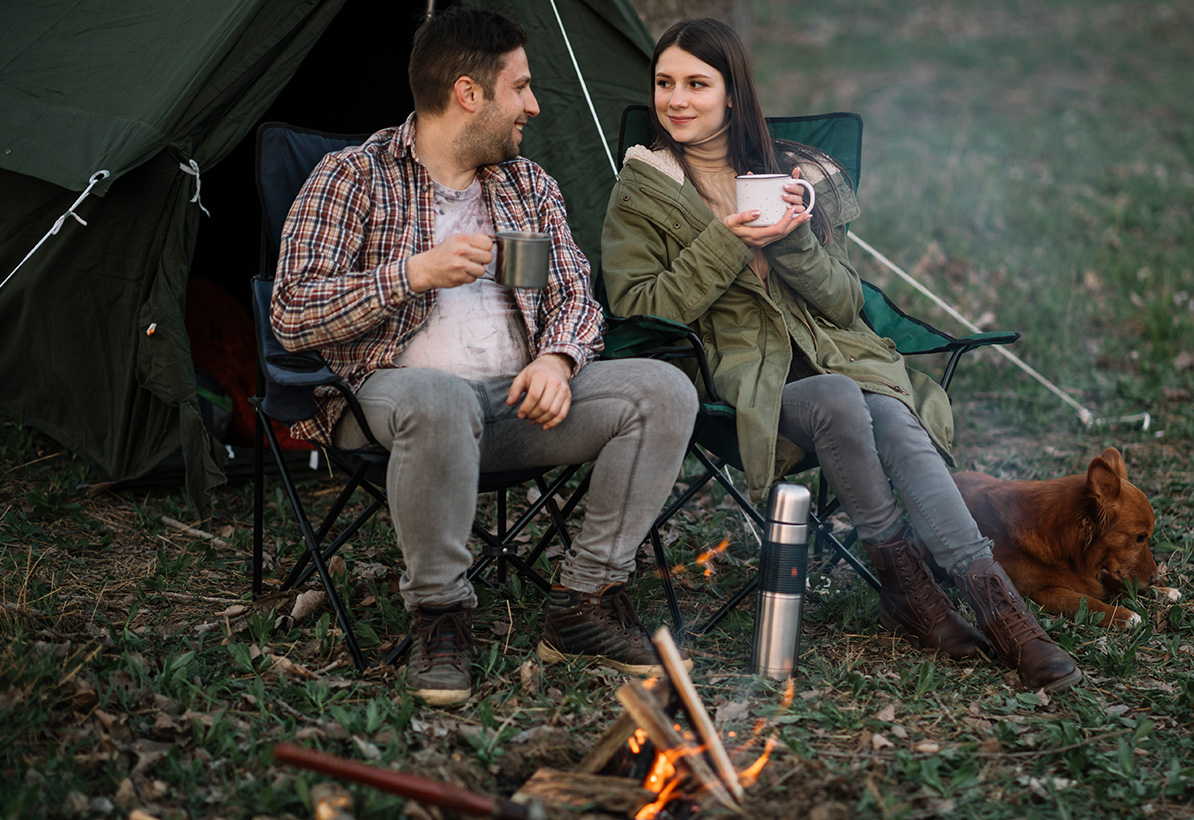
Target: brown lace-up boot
{"type": "Point", "coordinates": [1018, 638]}
{"type": "Point", "coordinates": [601, 628]}
{"type": "Point", "coordinates": [911, 604]}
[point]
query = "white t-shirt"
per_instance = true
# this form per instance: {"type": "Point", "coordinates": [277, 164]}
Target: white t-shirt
{"type": "Point", "coordinates": [474, 331]}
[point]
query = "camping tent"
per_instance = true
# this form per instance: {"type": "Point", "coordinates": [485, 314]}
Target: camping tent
{"type": "Point", "coordinates": [165, 98]}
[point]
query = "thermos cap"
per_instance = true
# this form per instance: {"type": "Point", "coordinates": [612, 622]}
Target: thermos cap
{"type": "Point", "coordinates": [789, 503]}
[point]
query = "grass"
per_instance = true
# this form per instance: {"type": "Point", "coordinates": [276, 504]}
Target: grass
{"type": "Point", "coordinates": [1030, 162]}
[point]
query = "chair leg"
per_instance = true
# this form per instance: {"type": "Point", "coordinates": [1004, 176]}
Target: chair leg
{"type": "Point", "coordinates": [665, 575]}
{"type": "Point", "coordinates": [315, 553]}
{"type": "Point", "coordinates": [258, 498]}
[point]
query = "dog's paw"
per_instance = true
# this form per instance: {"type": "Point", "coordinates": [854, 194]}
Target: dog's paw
{"type": "Point", "coordinates": [1168, 594]}
{"type": "Point", "coordinates": [1131, 621]}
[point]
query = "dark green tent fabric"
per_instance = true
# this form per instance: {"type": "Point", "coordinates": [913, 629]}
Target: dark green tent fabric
{"type": "Point", "coordinates": [136, 87]}
{"type": "Point", "coordinates": [613, 50]}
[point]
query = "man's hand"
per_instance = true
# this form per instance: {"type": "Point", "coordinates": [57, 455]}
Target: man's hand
{"type": "Point", "coordinates": [544, 382]}
{"type": "Point", "coordinates": [456, 261]}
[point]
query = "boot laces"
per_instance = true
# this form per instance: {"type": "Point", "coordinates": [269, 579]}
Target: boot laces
{"type": "Point", "coordinates": [933, 607]}
{"type": "Point", "coordinates": [615, 606]}
{"type": "Point", "coordinates": [1019, 626]}
{"type": "Point", "coordinates": [444, 641]}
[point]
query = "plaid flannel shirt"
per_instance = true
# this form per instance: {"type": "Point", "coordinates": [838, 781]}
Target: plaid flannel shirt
{"type": "Point", "coordinates": [342, 287]}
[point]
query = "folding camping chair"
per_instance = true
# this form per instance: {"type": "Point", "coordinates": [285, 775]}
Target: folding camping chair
{"type": "Point", "coordinates": [714, 442]}
{"type": "Point", "coordinates": [286, 384]}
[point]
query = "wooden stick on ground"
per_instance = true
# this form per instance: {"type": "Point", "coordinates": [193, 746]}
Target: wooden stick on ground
{"type": "Point", "coordinates": [616, 795]}
{"type": "Point", "coordinates": [649, 715]}
{"type": "Point", "coordinates": [690, 702]}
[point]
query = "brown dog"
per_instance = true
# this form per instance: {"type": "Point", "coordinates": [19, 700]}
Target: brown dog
{"type": "Point", "coordinates": [1062, 540]}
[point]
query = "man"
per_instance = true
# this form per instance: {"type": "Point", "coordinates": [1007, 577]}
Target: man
{"type": "Point", "coordinates": [386, 267]}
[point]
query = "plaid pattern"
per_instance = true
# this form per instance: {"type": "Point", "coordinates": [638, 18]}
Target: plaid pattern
{"type": "Point", "coordinates": [341, 282]}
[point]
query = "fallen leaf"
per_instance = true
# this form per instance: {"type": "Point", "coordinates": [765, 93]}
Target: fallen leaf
{"type": "Point", "coordinates": [878, 742]}
{"type": "Point", "coordinates": [530, 674]}
{"type": "Point", "coordinates": [927, 747]}
{"type": "Point", "coordinates": [232, 611]}
{"type": "Point", "coordinates": [284, 664]}
{"type": "Point", "coordinates": [125, 794]}
{"type": "Point", "coordinates": [367, 749]}
{"type": "Point", "coordinates": [886, 714]}
{"type": "Point", "coordinates": [306, 602]}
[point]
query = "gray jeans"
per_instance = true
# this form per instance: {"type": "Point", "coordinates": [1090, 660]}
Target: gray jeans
{"type": "Point", "coordinates": [867, 444]}
{"type": "Point", "coordinates": [632, 418]}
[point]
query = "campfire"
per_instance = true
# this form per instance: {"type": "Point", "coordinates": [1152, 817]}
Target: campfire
{"type": "Point", "coordinates": [646, 765]}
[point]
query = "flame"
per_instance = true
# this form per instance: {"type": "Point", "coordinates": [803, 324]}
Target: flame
{"type": "Point", "coordinates": [663, 779]}
{"type": "Point", "coordinates": [750, 775]}
{"type": "Point", "coordinates": [637, 740]}
{"type": "Point", "coordinates": [706, 557]}
{"type": "Point", "coordinates": [665, 776]}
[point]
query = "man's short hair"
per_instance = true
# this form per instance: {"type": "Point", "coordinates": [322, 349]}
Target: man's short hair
{"type": "Point", "coordinates": [459, 42]}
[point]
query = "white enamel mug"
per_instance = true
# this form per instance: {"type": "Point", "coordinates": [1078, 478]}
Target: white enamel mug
{"type": "Point", "coordinates": [765, 193]}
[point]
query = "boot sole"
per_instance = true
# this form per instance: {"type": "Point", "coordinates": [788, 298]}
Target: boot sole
{"type": "Point", "coordinates": [895, 628]}
{"type": "Point", "coordinates": [442, 697]}
{"type": "Point", "coordinates": [549, 654]}
{"type": "Point", "coordinates": [1072, 679]}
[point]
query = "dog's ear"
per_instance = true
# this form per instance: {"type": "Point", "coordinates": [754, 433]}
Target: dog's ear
{"type": "Point", "coordinates": [1104, 475]}
{"type": "Point", "coordinates": [1115, 461]}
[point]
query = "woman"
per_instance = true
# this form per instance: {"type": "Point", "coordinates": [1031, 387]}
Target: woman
{"type": "Point", "coordinates": [778, 310]}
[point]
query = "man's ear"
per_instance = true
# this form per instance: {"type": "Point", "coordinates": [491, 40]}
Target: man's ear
{"type": "Point", "coordinates": [467, 93]}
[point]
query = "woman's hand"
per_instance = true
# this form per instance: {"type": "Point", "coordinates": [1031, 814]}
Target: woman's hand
{"type": "Point", "coordinates": [794, 216]}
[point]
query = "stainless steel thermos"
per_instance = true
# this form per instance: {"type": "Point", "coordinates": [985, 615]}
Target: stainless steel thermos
{"type": "Point", "coordinates": [783, 565]}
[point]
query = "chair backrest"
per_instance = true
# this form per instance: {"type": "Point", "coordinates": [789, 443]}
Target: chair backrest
{"type": "Point", "coordinates": [286, 156]}
{"type": "Point", "coordinates": [838, 134]}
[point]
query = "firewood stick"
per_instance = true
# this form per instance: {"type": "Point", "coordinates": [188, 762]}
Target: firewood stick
{"type": "Point", "coordinates": [443, 795]}
{"type": "Point", "coordinates": [645, 709]}
{"type": "Point", "coordinates": [691, 703]}
{"type": "Point", "coordinates": [615, 738]}
{"type": "Point", "coordinates": [610, 743]}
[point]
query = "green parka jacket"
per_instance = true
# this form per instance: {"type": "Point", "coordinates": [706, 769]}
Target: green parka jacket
{"type": "Point", "coordinates": [664, 253]}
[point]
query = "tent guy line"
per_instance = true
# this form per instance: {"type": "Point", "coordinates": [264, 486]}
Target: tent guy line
{"type": "Point", "coordinates": [96, 178]}
{"type": "Point", "coordinates": [585, 89]}
{"type": "Point", "coordinates": [191, 167]}
{"type": "Point", "coordinates": [1088, 418]}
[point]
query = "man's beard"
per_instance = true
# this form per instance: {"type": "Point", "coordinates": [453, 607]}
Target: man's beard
{"type": "Point", "coordinates": [488, 140]}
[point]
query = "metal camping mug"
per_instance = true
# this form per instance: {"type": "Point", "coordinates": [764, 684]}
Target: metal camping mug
{"type": "Point", "coordinates": [765, 193]}
{"type": "Point", "coordinates": [522, 259]}
{"type": "Point", "coordinates": [783, 566]}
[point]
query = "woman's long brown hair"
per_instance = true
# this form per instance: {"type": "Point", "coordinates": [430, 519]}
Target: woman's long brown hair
{"type": "Point", "coordinates": [750, 146]}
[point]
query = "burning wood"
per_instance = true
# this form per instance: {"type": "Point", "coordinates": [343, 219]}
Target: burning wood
{"type": "Point", "coordinates": [680, 772]}
{"type": "Point", "coordinates": [691, 703]}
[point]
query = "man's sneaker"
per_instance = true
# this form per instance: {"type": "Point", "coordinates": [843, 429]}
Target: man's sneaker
{"type": "Point", "coordinates": [601, 628]}
{"type": "Point", "coordinates": [437, 670]}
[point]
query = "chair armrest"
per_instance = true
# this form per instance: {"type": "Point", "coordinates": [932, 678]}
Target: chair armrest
{"type": "Point", "coordinates": [652, 337]}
